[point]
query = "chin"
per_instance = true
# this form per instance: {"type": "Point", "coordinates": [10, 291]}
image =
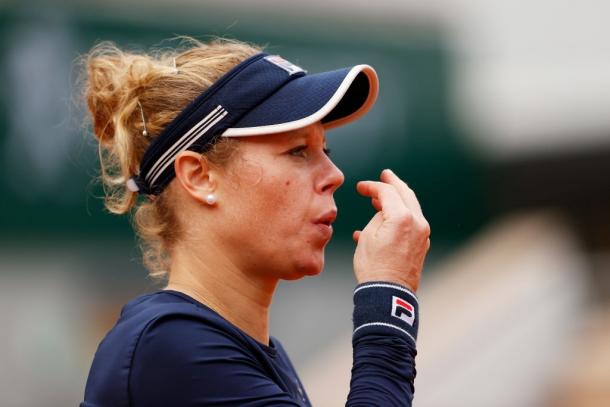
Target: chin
{"type": "Point", "coordinates": [311, 267]}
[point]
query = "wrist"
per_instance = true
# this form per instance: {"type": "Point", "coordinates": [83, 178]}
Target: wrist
{"type": "Point", "coordinates": [385, 307]}
{"type": "Point", "coordinates": [411, 284]}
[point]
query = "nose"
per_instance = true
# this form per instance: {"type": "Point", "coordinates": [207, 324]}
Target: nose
{"type": "Point", "coordinates": [332, 177]}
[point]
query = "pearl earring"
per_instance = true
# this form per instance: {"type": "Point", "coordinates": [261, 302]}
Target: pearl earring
{"type": "Point", "coordinates": [210, 199]}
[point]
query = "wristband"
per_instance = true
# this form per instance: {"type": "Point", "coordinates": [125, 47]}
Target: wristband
{"type": "Point", "coordinates": [385, 307]}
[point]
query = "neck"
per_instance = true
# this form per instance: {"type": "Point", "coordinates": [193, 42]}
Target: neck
{"type": "Point", "coordinates": [241, 298]}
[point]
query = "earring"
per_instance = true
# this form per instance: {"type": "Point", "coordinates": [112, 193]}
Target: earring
{"type": "Point", "coordinates": [210, 199]}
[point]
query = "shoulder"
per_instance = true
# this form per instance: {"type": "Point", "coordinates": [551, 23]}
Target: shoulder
{"type": "Point", "coordinates": [182, 335]}
{"type": "Point", "coordinates": [160, 339]}
{"type": "Point", "coordinates": [165, 326]}
{"type": "Point", "coordinates": [183, 357]}
{"type": "Point", "coordinates": [178, 324]}
{"type": "Point", "coordinates": [188, 332]}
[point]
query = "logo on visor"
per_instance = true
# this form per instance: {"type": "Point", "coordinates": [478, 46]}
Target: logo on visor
{"type": "Point", "coordinates": [403, 310]}
{"type": "Point", "coordinates": [285, 65]}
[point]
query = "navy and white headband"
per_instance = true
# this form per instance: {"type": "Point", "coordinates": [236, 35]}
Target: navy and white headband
{"type": "Point", "coordinates": [264, 94]}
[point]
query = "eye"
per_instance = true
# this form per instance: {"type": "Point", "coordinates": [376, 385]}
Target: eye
{"type": "Point", "coordinates": [299, 151]}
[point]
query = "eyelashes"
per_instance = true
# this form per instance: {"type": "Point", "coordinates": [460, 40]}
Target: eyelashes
{"type": "Point", "coordinates": [298, 151]}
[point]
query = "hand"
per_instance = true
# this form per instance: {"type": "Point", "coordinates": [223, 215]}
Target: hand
{"type": "Point", "coordinates": [393, 245]}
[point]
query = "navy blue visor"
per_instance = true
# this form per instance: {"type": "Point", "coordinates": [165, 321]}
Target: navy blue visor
{"type": "Point", "coordinates": [264, 94]}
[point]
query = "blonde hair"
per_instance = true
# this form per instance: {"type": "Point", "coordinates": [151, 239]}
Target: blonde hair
{"type": "Point", "coordinates": [123, 87]}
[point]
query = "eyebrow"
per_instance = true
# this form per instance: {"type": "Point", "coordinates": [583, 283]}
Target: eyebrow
{"type": "Point", "coordinates": [300, 135]}
{"type": "Point", "coordinates": [304, 139]}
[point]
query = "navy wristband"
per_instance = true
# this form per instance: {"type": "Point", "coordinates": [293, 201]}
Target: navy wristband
{"type": "Point", "coordinates": [385, 307]}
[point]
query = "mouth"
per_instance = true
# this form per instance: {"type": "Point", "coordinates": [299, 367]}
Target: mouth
{"type": "Point", "coordinates": [324, 223]}
{"type": "Point", "coordinates": [327, 218]}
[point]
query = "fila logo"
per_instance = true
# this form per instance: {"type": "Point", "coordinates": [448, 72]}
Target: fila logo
{"type": "Point", "coordinates": [285, 65]}
{"type": "Point", "coordinates": [403, 310]}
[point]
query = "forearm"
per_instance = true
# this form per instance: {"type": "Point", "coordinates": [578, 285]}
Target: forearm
{"type": "Point", "coordinates": [385, 329]}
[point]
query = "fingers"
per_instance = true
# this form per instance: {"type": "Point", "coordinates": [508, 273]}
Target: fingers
{"type": "Point", "coordinates": [406, 193]}
{"type": "Point", "coordinates": [385, 196]}
{"type": "Point", "coordinates": [408, 197]}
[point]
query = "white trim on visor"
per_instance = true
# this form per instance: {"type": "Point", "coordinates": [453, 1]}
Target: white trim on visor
{"type": "Point", "coordinates": [322, 112]}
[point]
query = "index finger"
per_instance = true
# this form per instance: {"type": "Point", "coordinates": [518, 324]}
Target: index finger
{"type": "Point", "coordinates": [392, 205]}
{"type": "Point", "coordinates": [406, 193]}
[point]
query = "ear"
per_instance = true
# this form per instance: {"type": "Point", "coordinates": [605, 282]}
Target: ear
{"type": "Point", "coordinates": [195, 175]}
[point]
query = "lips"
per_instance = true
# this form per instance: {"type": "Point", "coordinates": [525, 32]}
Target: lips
{"type": "Point", "coordinates": [324, 223]}
{"type": "Point", "coordinates": [327, 218]}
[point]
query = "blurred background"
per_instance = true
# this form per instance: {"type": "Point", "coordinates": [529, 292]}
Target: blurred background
{"type": "Point", "coordinates": [496, 113]}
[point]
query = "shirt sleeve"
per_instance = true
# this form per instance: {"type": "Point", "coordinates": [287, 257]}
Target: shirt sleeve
{"type": "Point", "coordinates": [180, 362]}
{"type": "Point", "coordinates": [386, 321]}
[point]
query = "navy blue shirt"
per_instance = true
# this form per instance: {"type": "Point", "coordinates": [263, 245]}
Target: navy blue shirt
{"type": "Point", "coordinates": [168, 349]}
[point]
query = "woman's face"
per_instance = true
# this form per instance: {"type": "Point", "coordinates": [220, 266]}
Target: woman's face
{"type": "Point", "coordinates": [277, 206]}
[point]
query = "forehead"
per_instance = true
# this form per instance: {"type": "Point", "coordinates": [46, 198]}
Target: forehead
{"type": "Point", "coordinates": [315, 130]}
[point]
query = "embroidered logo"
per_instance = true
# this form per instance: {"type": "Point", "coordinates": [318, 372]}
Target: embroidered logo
{"type": "Point", "coordinates": [285, 65]}
{"type": "Point", "coordinates": [403, 310]}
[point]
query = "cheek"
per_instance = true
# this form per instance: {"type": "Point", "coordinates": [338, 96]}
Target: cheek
{"type": "Point", "coordinates": [287, 201]}
{"type": "Point", "coordinates": [280, 228]}
{"type": "Point", "coordinates": [285, 209]}
{"type": "Point", "coordinates": [273, 203]}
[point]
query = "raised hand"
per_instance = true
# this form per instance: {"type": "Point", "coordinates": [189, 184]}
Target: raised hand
{"type": "Point", "coordinates": [393, 245]}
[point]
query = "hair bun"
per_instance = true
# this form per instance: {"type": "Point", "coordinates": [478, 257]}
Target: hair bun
{"type": "Point", "coordinates": [107, 87]}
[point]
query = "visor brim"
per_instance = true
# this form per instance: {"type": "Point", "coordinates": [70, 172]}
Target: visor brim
{"type": "Point", "coordinates": [335, 98]}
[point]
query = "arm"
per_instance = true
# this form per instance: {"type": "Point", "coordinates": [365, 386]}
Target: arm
{"type": "Point", "coordinates": [388, 261]}
{"type": "Point", "coordinates": [385, 329]}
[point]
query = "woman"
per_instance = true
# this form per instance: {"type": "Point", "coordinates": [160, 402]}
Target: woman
{"type": "Point", "coordinates": [226, 146]}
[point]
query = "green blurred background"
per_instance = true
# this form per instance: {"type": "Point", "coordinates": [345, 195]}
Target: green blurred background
{"type": "Point", "coordinates": [410, 127]}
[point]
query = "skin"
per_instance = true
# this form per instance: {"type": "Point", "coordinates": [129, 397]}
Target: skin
{"type": "Point", "coordinates": [265, 225]}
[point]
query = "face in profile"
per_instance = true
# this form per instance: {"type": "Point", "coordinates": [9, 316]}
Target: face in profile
{"type": "Point", "coordinates": [278, 205]}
